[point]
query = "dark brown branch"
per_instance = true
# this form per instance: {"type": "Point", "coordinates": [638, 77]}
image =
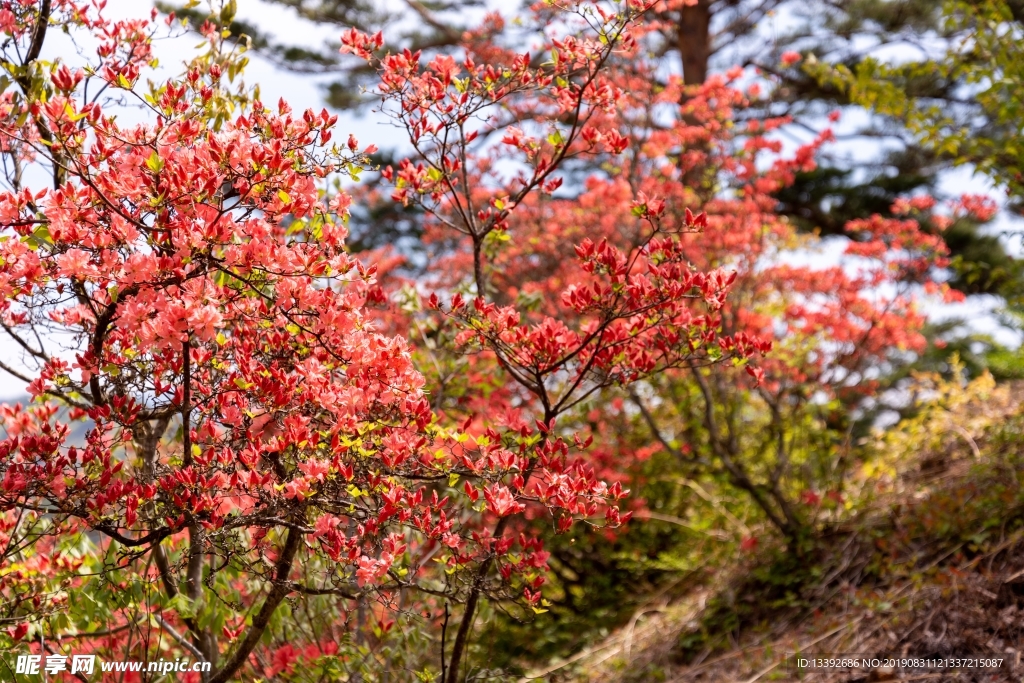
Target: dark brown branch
{"type": "Point", "coordinates": [39, 32]}
{"type": "Point", "coordinates": [281, 588]}
{"type": "Point", "coordinates": [725, 453]}
{"type": "Point", "coordinates": [152, 537]}
{"type": "Point", "coordinates": [306, 590]}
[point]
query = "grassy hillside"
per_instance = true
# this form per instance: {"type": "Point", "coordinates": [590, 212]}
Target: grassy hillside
{"type": "Point", "coordinates": [927, 561]}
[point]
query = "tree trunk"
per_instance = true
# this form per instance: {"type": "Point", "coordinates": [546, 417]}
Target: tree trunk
{"type": "Point", "coordinates": [693, 40]}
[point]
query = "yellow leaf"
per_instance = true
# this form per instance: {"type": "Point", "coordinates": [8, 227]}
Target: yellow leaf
{"type": "Point", "coordinates": [154, 163]}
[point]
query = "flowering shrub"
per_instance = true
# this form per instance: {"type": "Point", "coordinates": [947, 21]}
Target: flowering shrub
{"type": "Point", "coordinates": [220, 427]}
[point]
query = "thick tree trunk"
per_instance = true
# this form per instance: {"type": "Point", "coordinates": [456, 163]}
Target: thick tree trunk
{"type": "Point", "coordinates": [693, 40]}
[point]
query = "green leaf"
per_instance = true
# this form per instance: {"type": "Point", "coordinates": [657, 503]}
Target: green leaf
{"type": "Point", "coordinates": [42, 233]}
{"type": "Point", "coordinates": [154, 163]}
{"type": "Point", "coordinates": [227, 12]}
{"type": "Point", "coordinates": [183, 606]}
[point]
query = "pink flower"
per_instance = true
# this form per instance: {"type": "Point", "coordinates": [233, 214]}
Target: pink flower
{"type": "Point", "coordinates": [790, 58]}
{"type": "Point", "coordinates": [297, 488]}
{"type": "Point", "coordinates": [324, 525]}
{"type": "Point", "coordinates": [8, 24]}
{"type": "Point", "coordinates": [205, 321]}
{"type": "Point", "coordinates": [371, 570]}
{"type": "Point", "coordinates": [75, 263]}
{"type": "Point", "coordinates": [501, 501]}
{"type": "Point", "coordinates": [340, 202]}
{"type": "Point", "coordinates": [314, 469]}
{"type": "Point", "coordinates": [445, 67]}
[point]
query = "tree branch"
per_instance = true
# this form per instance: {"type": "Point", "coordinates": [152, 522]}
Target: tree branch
{"type": "Point", "coordinates": [281, 588]}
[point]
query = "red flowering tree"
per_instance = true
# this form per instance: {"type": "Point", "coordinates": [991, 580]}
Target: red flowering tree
{"type": "Point", "coordinates": [218, 430]}
{"type": "Point", "coordinates": [838, 323]}
{"type": "Point", "coordinates": [517, 183]}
